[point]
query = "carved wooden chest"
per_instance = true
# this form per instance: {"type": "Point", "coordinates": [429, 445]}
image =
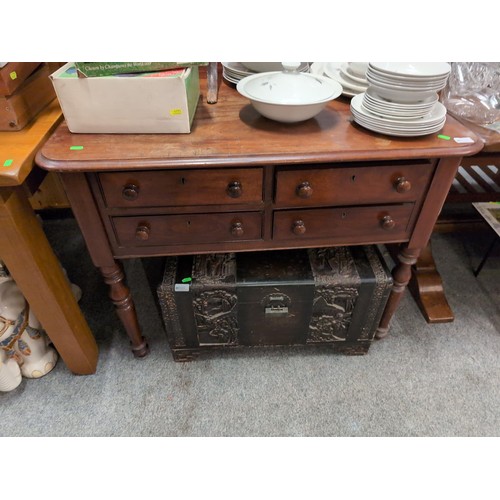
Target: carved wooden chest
{"type": "Point", "coordinates": [331, 296]}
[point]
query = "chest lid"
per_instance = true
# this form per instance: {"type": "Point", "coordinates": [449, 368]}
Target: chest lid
{"type": "Point", "coordinates": [274, 268]}
{"type": "Point", "coordinates": [213, 271]}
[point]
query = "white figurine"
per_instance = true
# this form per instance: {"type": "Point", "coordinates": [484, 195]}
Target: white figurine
{"type": "Point", "coordinates": [24, 346]}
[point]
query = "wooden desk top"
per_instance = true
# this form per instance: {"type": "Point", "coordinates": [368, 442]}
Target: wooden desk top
{"type": "Point", "coordinates": [17, 149]}
{"type": "Point", "coordinates": [232, 133]}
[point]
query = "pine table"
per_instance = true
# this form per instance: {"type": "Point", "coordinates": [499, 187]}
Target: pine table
{"type": "Point", "coordinates": [27, 253]}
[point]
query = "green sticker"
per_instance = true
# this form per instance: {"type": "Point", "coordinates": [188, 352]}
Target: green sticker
{"type": "Point", "coordinates": [13, 75]}
{"type": "Point", "coordinates": [8, 163]}
{"type": "Point", "coordinates": [76, 148]}
{"type": "Point", "coordinates": [186, 280]}
{"type": "Point", "coordinates": [445, 137]}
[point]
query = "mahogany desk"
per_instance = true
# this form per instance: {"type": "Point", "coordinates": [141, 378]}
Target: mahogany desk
{"type": "Point", "coordinates": [241, 182]}
{"type": "Point", "coordinates": [27, 253]}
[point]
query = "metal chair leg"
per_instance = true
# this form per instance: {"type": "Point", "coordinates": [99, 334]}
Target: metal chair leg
{"type": "Point", "coordinates": [476, 272]}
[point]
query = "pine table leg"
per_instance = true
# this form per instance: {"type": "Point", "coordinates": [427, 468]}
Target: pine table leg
{"type": "Point", "coordinates": [38, 273]}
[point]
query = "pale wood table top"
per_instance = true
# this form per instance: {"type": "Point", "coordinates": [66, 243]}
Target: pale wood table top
{"type": "Point", "coordinates": [18, 149]}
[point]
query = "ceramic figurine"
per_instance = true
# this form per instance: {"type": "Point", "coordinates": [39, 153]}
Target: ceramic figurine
{"type": "Point", "coordinates": [24, 346]}
{"type": "Point", "coordinates": [10, 373]}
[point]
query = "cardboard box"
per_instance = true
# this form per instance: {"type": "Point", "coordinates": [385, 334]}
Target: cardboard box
{"type": "Point", "coordinates": [18, 109]}
{"type": "Point", "coordinates": [91, 69]}
{"type": "Point", "coordinates": [13, 75]}
{"type": "Point", "coordinates": [161, 102]}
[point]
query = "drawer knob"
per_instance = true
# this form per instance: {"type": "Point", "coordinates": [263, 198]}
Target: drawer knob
{"type": "Point", "coordinates": [130, 192]}
{"type": "Point", "coordinates": [237, 229]}
{"type": "Point", "coordinates": [304, 190]}
{"type": "Point", "coordinates": [142, 232]}
{"type": "Point", "coordinates": [402, 185]}
{"type": "Point", "coordinates": [388, 222]}
{"type": "Point", "coordinates": [298, 227]}
{"type": "Point", "coordinates": [234, 189]}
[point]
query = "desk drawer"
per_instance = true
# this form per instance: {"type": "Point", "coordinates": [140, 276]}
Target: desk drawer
{"type": "Point", "coordinates": [182, 187]}
{"type": "Point", "coordinates": [351, 185]}
{"type": "Point", "coordinates": [349, 224]}
{"type": "Point", "coordinates": [187, 229]}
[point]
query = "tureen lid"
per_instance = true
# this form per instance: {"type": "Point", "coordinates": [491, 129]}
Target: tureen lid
{"type": "Point", "coordinates": [289, 86]}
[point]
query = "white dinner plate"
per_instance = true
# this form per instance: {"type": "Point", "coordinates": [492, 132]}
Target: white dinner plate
{"type": "Point", "coordinates": [397, 127]}
{"type": "Point", "coordinates": [229, 78]}
{"type": "Point", "coordinates": [400, 115]}
{"type": "Point", "coordinates": [392, 110]}
{"type": "Point", "coordinates": [236, 68]}
{"type": "Point", "coordinates": [431, 122]}
{"type": "Point", "coordinates": [317, 68]}
{"type": "Point", "coordinates": [334, 73]}
{"type": "Point", "coordinates": [437, 112]}
{"type": "Point", "coordinates": [372, 95]}
{"type": "Point", "coordinates": [349, 75]}
{"type": "Point", "coordinates": [398, 133]}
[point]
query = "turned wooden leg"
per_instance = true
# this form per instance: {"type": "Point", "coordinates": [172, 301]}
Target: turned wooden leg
{"type": "Point", "coordinates": [427, 289]}
{"type": "Point", "coordinates": [125, 308]}
{"type": "Point", "coordinates": [401, 276]}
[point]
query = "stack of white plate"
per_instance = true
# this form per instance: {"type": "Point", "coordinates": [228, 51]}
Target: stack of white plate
{"type": "Point", "coordinates": [351, 75]}
{"type": "Point", "coordinates": [404, 110]}
{"type": "Point", "coordinates": [404, 126]}
{"type": "Point", "coordinates": [402, 98]}
{"type": "Point", "coordinates": [407, 82]}
{"type": "Point", "coordinates": [233, 72]}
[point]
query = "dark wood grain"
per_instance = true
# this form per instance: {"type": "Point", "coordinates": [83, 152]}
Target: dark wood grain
{"type": "Point", "coordinates": [244, 188]}
{"type": "Point", "coordinates": [347, 185]}
{"type": "Point", "coordinates": [183, 187]}
{"type": "Point", "coordinates": [232, 133]}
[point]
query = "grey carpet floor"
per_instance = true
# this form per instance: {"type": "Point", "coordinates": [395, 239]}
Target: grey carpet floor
{"type": "Point", "coordinates": [422, 380]}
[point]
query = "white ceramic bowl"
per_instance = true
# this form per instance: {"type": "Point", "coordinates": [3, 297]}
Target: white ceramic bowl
{"type": "Point", "coordinates": [402, 96]}
{"type": "Point", "coordinates": [414, 69]}
{"type": "Point", "coordinates": [375, 80]}
{"type": "Point", "coordinates": [289, 96]}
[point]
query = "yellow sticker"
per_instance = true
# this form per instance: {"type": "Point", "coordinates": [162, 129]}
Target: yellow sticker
{"type": "Point", "coordinates": [174, 112]}
{"type": "Point", "coordinates": [13, 75]}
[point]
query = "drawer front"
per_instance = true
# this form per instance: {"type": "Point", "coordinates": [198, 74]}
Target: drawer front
{"type": "Point", "coordinates": [182, 187]}
{"type": "Point", "coordinates": [187, 229]}
{"type": "Point", "coordinates": [350, 224]}
{"type": "Point", "coordinates": [351, 185]}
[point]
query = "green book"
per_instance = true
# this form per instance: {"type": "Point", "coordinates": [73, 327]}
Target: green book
{"type": "Point", "coordinates": [89, 69]}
